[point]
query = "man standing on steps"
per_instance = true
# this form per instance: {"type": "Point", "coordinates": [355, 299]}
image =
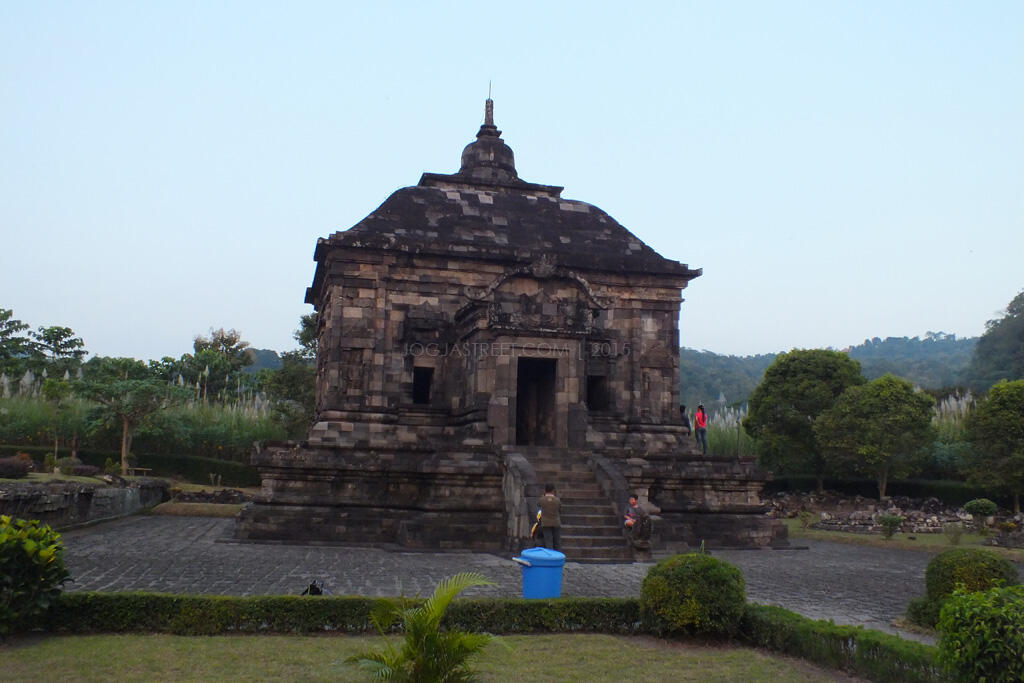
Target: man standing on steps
{"type": "Point", "coordinates": [550, 521]}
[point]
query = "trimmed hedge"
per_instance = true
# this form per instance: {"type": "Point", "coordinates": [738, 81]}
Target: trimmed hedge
{"type": "Point", "coordinates": [88, 612]}
{"type": "Point", "coordinates": [870, 654]}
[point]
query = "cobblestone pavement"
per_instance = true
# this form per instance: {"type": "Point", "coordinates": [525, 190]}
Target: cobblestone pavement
{"type": "Point", "coordinates": [847, 583]}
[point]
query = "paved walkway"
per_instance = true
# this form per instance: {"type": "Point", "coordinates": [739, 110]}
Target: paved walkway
{"type": "Point", "coordinates": [847, 583]}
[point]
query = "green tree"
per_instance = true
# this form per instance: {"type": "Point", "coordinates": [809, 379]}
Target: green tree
{"type": "Point", "coordinates": [128, 394]}
{"type": "Point", "coordinates": [217, 361]}
{"type": "Point", "coordinates": [15, 346]}
{"type": "Point", "coordinates": [880, 428]}
{"type": "Point", "coordinates": [996, 428]}
{"type": "Point", "coordinates": [293, 389]}
{"type": "Point", "coordinates": [783, 409]}
{"type": "Point", "coordinates": [227, 343]}
{"type": "Point", "coordinates": [308, 336]}
{"type": "Point", "coordinates": [60, 349]}
{"type": "Point", "coordinates": [56, 392]}
{"type": "Point", "coordinates": [999, 353]}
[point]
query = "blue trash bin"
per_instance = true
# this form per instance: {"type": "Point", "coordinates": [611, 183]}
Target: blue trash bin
{"type": "Point", "coordinates": [542, 572]}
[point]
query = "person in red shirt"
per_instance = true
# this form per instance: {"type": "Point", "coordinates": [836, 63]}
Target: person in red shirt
{"type": "Point", "coordinates": [700, 421]}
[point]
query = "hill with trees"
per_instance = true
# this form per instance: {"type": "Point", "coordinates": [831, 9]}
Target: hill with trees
{"type": "Point", "coordinates": [937, 361]}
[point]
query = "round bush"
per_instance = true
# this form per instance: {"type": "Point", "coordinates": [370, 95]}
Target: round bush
{"type": "Point", "coordinates": [694, 594]}
{"type": "Point", "coordinates": [976, 569]}
{"type": "Point", "coordinates": [981, 507]}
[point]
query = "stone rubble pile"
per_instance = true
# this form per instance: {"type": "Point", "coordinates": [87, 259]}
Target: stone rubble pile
{"type": "Point", "coordinates": [835, 512]}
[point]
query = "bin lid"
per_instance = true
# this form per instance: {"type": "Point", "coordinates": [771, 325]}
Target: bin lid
{"type": "Point", "coordinates": [543, 557]}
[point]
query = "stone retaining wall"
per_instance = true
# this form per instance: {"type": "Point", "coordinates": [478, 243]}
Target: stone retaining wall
{"type": "Point", "coordinates": [63, 504]}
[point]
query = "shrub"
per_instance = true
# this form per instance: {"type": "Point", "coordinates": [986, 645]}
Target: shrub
{"type": "Point", "coordinates": [890, 524]}
{"type": "Point", "coordinates": [981, 507]}
{"type": "Point", "coordinates": [111, 467]}
{"type": "Point", "coordinates": [983, 635]}
{"type": "Point", "coordinates": [49, 462]}
{"type": "Point", "coordinates": [971, 568]}
{"type": "Point", "coordinates": [65, 465]}
{"type": "Point", "coordinates": [953, 532]}
{"type": "Point", "coordinates": [976, 569]}
{"type": "Point", "coordinates": [31, 571]}
{"type": "Point", "coordinates": [13, 468]}
{"type": "Point", "coordinates": [694, 594]}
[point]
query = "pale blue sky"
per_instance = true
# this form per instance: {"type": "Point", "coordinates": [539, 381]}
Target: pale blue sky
{"type": "Point", "coordinates": [840, 170]}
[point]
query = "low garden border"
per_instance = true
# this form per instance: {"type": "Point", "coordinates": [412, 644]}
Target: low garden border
{"type": "Point", "coordinates": [862, 652]}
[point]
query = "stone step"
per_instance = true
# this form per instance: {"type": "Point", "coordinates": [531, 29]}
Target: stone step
{"type": "Point", "coordinates": [573, 519]}
{"type": "Point", "coordinates": [586, 501]}
{"type": "Point", "coordinates": [600, 555]}
{"type": "Point", "coordinates": [602, 531]}
{"type": "Point", "coordinates": [593, 542]}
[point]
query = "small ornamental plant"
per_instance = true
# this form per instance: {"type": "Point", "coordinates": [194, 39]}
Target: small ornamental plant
{"type": "Point", "coordinates": [694, 594]}
{"type": "Point", "coordinates": [979, 509]}
{"type": "Point", "coordinates": [31, 571]}
{"type": "Point", "coordinates": [426, 652]}
{"type": "Point", "coordinates": [890, 524]}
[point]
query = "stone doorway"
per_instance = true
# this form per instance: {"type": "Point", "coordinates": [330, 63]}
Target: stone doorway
{"type": "Point", "coordinates": [535, 402]}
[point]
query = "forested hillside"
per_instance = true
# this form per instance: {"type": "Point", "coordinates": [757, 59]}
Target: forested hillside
{"type": "Point", "coordinates": [717, 380]}
{"type": "Point", "coordinates": [938, 360]}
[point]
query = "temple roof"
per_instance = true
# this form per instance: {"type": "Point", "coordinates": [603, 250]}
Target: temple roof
{"type": "Point", "coordinates": [486, 211]}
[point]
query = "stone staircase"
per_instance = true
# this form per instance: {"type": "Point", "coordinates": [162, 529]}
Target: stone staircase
{"type": "Point", "coordinates": [591, 531]}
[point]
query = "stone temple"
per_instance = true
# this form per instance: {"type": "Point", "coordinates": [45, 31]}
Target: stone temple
{"type": "Point", "coordinates": [480, 336]}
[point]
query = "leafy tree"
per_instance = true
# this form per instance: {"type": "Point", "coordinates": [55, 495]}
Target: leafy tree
{"type": "Point", "coordinates": [15, 347]}
{"type": "Point", "coordinates": [996, 428]}
{"type": "Point", "coordinates": [999, 353]}
{"type": "Point", "coordinates": [227, 343]}
{"type": "Point", "coordinates": [880, 428]}
{"type": "Point", "coordinates": [56, 393]}
{"type": "Point", "coordinates": [218, 360]}
{"type": "Point", "coordinates": [308, 336]}
{"type": "Point", "coordinates": [128, 394]}
{"type": "Point", "coordinates": [426, 653]}
{"type": "Point", "coordinates": [61, 350]}
{"type": "Point", "coordinates": [293, 388]}
{"type": "Point", "coordinates": [783, 409]}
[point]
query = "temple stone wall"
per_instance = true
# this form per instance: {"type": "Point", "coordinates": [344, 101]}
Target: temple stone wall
{"type": "Point", "coordinates": [472, 314]}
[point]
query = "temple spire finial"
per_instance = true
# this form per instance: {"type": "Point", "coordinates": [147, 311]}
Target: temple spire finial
{"type": "Point", "coordinates": [489, 111]}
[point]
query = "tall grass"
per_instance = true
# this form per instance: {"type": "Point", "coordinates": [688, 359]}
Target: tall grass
{"type": "Point", "coordinates": [950, 418]}
{"type": "Point", "coordinates": [726, 436]}
{"type": "Point", "coordinates": [218, 429]}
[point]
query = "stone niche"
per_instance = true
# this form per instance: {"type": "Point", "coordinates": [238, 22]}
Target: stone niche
{"type": "Point", "coordinates": [477, 334]}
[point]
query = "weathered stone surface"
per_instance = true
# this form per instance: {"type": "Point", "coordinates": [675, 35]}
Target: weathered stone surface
{"type": "Point", "coordinates": [63, 504]}
{"type": "Point", "coordinates": [469, 314]}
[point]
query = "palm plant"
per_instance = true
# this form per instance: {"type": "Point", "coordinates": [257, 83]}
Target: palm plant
{"type": "Point", "coordinates": [426, 654]}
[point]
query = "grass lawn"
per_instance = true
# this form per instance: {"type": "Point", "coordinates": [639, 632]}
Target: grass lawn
{"type": "Point", "coordinates": [578, 657]}
{"type": "Point", "coordinates": [932, 543]}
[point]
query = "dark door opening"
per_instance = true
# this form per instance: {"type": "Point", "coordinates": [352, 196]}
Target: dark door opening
{"type": "Point", "coordinates": [535, 402]}
{"type": "Point", "coordinates": [421, 381]}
